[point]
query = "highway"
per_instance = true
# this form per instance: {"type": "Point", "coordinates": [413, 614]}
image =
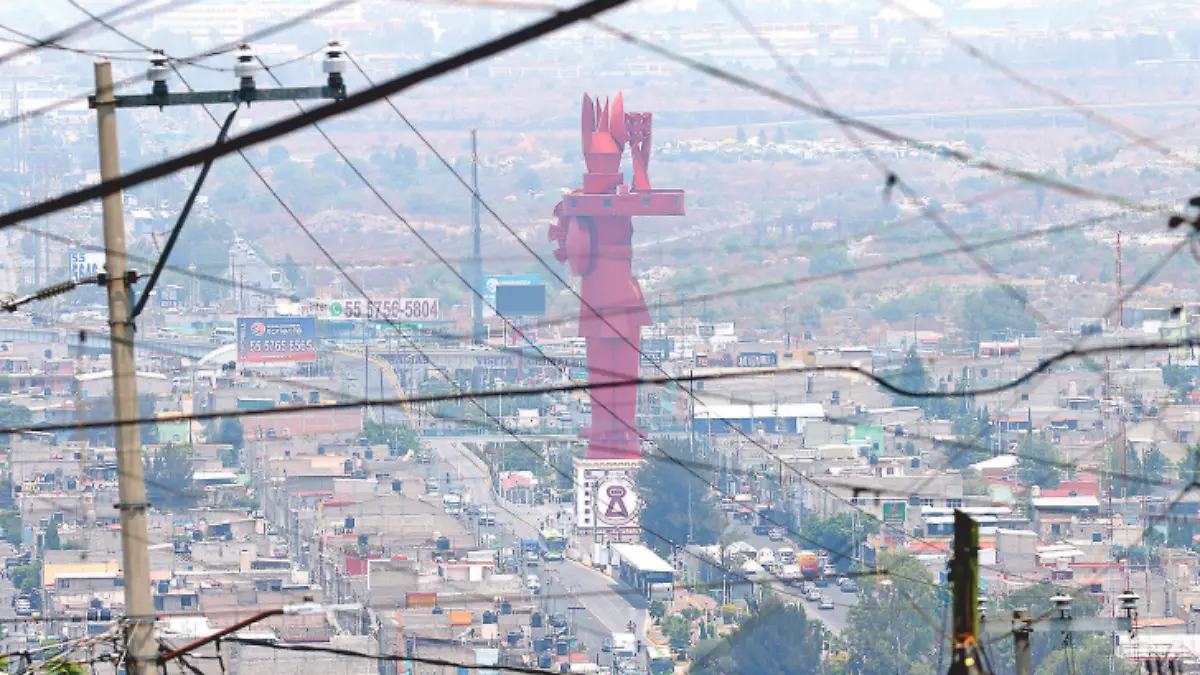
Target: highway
{"type": "Point", "coordinates": [605, 606]}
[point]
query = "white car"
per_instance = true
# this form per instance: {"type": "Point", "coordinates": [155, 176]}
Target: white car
{"type": "Point", "coordinates": [533, 583]}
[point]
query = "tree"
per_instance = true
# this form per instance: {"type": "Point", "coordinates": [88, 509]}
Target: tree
{"type": "Point", "coordinates": [778, 640]}
{"type": "Point", "coordinates": [1037, 460]}
{"type": "Point", "coordinates": [827, 260]}
{"type": "Point", "coordinates": [762, 138]}
{"type": "Point", "coordinates": [27, 578]}
{"type": "Point", "coordinates": [830, 296]}
{"type": "Point", "coordinates": [230, 432]}
{"type": "Point", "coordinates": [400, 438]}
{"type": "Point", "coordinates": [741, 134]}
{"type": "Point", "coordinates": [658, 609]}
{"type": "Point", "coordinates": [994, 312]}
{"type": "Point", "coordinates": [51, 541]}
{"type": "Point", "coordinates": [780, 135]}
{"type": "Point", "coordinates": [676, 501]}
{"type": "Point", "coordinates": [13, 416]}
{"type": "Point", "coordinates": [10, 522]}
{"type": "Point", "coordinates": [838, 535]}
{"type": "Point", "coordinates": [169, 478]}
{"type": "Point", "coordinates": [888, 631]}
{"type": "Point", "coordinates": [679, 631]}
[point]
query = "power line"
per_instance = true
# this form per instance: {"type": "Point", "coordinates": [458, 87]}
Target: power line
{"type": "Point", "coordinates": [1012, 74]}
{"type": "Point", "coordinates": [351, 102]}
{"type": "Point", "coordinates": [1042, 367]}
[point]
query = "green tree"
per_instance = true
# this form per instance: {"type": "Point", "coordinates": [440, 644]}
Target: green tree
{"type": "Point", "coordinates": [169, 478]}
{"type": "Point", "coordinates": [778, 640]}
{"type": "Point", "coordinates": [762, 138]}
{"type": "Point", "coordinates": [1037, 462]}
{"type": "Point", "coordinates": [838, 535]}
{"type": "Point", "coordinates": [658, 609]}
{"type": "Point", "coordinates": [741, 134]}
{"type": "Point", "coordinates": [672, 492]}
{"type": "Point", "coordinates": [679, 631]}
{"type": "Point", "coordinates": [51, 541]}
{"type": "Point", "coordinates": [10, 522]}
{"type": "Point", "coordinates": [829, 260]}
{"type": "Point", "coordinates": [888, 632]}
{"type": "Point", "coordinates": [400, 438]}
{"type": "Point", "coordinates": [830, 296]}
{"type": "Point", "coordinates": [230, 432]}
{"type": "Point", "coordinates": [994, 312]}
{"type": "Point", "coordinates": [27, 578]}
{"type": "Point", "coordinates": [13, 416]}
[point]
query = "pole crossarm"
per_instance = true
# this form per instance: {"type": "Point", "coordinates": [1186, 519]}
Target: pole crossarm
{"type": "Point", "coordinates": [995, 628]}
{"type": "Point", "coordinates": [234, 96]}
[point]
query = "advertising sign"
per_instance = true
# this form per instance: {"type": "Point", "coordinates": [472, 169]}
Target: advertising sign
{"type": "Point", "coordinates": [375, 309]}
{"type": "Point", "coordinates": [521, 300]}
{"type": "Point", "coordinates": [893, 512]}
{"type": "Point", "coordinates": [493, 281]}
{"type": "Point", "coordinates": [277, 340]}
{"type": "Point", "coordinates": [617, 502]}
{"type": "Point", "coordinates": [84, 265]}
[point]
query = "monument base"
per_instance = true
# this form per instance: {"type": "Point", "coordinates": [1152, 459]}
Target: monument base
{"type": "Point", "coordinates": [607, 506]}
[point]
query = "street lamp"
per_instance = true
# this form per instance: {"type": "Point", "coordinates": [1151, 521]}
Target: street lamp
{"type": "Point", "coordinates": [786, 334]}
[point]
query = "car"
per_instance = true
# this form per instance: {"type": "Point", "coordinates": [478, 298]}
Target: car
{"type": "Point", "coordinates": [842, 581]}
{"type": "Point", "coordinates": [607, 645]}
{"type": "Point", "coordinates": [776, 534]}
{"type": "Point", "coordinates": [826, 603]}
{"type": "Point", "coordinates": [828, 570]}
{"type": "Point", "coordinates": [760, 530]}
{"type": "Point", "coordinates": [850, 587]}
{"type": "Point", "coordinates": [813, 595]}
{"type": "Point", "coordinates": [821, 582]}
{"type": "Point", "coordinates": [558, 620]}
{"type": "Point", "coordinates": [531, 559]}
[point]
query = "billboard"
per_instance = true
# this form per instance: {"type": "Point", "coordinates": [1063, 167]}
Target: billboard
{"type": "Point", "coordinates": [373, 309]}
{"type": "Point", "coordinates": [493, 281]}
{"type": "Point", "coordinates": [84, 265]}
{"type": "Point", "coordinates": [894, 512]}
{"type": "Point", "coordinates": [277, 340]}
{"type": "Point", "coordinates": [521, 300]}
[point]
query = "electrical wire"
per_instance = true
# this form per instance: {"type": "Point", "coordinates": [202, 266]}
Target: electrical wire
{"type": "Point", "coordinates": [294, 123]}
{"type": "Point", "coordinates": [1012, 74]}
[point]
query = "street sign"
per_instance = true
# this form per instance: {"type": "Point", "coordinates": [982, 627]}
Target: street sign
{"type": "Point", "coordinates": [894, 512]}
{"type": "Point", "coordinates": [374, 309]}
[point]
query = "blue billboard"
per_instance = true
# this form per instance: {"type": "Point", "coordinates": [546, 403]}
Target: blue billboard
{"type": "Point", "coordinates": [277, 340]}
{"type": "Point", "coordinates": [493, 281]}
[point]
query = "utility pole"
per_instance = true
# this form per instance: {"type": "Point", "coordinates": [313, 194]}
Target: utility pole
{"type": "Point", "coordinates": [140, 646]}
{"type": "Point", "coordinates": [1021, 642]}
{"type": "Point", "coordinates": [964, 575]}
{"type": "Point", "coordinates": [478, 330]}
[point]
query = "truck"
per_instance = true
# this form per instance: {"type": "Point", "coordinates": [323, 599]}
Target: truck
{"type": "Point", "coordinates": [624, 645]}
{"type": "Point", "coordinates": [810, 563]}
{"type": "Point", "coordinates": [790, 574]}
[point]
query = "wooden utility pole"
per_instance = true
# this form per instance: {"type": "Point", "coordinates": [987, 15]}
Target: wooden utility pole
{"type": "Point", "coordinates": [964, 575]}
{"type": "Point", "coordinates": [141, 652]}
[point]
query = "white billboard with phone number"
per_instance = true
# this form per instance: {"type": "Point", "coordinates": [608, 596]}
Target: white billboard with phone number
{"type": "Point", "coordinates": [375, 309]}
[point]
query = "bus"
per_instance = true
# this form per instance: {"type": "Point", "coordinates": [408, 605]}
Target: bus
{"type": "Point", "coordinates": [661, 661]}
{"type": "Point", "coordinates": [554, 545]}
